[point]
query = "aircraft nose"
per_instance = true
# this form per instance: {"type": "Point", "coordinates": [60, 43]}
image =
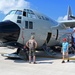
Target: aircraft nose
{"type": "Point", "coordinates": [9, 31]}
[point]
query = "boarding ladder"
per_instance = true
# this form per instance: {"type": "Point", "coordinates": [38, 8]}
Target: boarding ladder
{"type": "Point", "coordinates": [48, 50]}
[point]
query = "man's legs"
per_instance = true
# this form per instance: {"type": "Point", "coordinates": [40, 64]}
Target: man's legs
{"type": "Point", "coordinates": [63, 54]}
{"type": "Point", "coordinates": [29, 56]}
{"type": "Point", "coordinates": [34, 58]}
{"type": "Point", "coordinates": [67, 56]}
{"type": "Point", "coordinates": [29, 59]}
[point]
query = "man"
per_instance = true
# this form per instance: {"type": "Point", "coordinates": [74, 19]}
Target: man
{"type": "Point", "coordinates": [73, 37]}
{"type": "Point", "coordinates": [64, 51]}
{"type": "Point", "coordinates": [32, 44]}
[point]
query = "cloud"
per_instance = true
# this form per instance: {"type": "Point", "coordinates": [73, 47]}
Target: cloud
{"type": "Point", "coordinates": [62, 18]}
{"type": "Point", "coordinates": [7, 5]}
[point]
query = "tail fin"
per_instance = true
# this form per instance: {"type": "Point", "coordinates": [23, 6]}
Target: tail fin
{"type": "Point", "coordinates": [69, 13]}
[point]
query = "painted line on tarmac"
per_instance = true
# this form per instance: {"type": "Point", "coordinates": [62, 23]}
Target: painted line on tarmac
{"type": "Point", "coordinates": [2, 53]}
{"type": "Point", "coordinates": [56, 57]}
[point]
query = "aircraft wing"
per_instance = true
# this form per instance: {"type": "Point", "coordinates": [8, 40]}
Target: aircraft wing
{"type": "Point", "coordinates": [68, 23]}
{"type": "Point", "coordinates": [59, 26]}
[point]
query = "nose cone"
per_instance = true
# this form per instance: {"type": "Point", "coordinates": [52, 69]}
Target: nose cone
{"type": "Point", "coordinates": [9, 31]}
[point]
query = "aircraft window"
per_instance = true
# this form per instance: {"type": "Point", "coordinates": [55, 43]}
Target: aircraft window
{"type": "Point", "coordinates": [30, 25]}
{"type": "Point", "coordinates": [30, 15]}
{"type": "Point", "coordinates": [43, 18]}
{"type": "Point", "coordinates": [24, 13]}
{"type": "Point", "coordinates": [18, 12]}
{"type": "Point", "coordinates": [19, 17]}
{"type": "Point", "coordinates": [47, 18]}
{"type": "Point", "coordinates": [18, 21]}
{"type": "Point", "coordinates": [26, 24]}
{"type": "Point", "coordinates": [12, 12]}
{"type": "Point", "coordinates": [30, 11]}
{"type": "Point", "coordinates": [33, 16]}
{"type": "Point", "coordinates": [25, 10]}
{"type": "Point", "coordinates": [39, 16]}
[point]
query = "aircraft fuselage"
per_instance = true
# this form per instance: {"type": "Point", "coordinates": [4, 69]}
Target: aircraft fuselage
{"type": "Point", "coordinates": [39, 25]}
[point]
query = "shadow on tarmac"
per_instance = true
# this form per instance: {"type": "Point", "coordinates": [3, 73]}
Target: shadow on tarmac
{"type": "Point", "coordinates": [38, 60]}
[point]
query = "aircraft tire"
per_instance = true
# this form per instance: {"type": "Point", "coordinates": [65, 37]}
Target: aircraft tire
{"type": "Point", "coordinates": [23, 54]}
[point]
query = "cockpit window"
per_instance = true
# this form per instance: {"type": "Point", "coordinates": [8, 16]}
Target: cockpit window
{"type": "Point", "coordinates": [12, 12]}
{"type": "Point", "coordinates": [39, 16]}
{"type": "Point", "coordinates": [29, 13]}
{"type": "Point", "coordinates": [18, 12]}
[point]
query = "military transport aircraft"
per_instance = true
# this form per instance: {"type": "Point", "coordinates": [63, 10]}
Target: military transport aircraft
{"type": "Point", "coordinates": [19, 24]}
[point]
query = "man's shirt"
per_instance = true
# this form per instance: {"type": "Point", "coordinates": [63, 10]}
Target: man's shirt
{"type": "Point", "coordinates": [65, 46]}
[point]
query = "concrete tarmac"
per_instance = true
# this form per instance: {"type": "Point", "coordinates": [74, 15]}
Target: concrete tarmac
{"type": "Point", "coordinates": [44, 66]}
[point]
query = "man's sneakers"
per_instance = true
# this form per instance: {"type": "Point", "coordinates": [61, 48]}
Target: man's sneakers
{"type": "Point", "coordinates": [68, 60]}
{"type": "Point", "coordinates": [63, 61]}
{"type": "Point", "coordinates": [34, 63]}
{"type": "Point", "coordinates": [29, 62]}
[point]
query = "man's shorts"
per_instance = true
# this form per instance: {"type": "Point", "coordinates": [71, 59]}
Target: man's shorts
{"type": "Point", "coordinates": [65, 53]}
{"type": "Point", "coordinates": [31, 52]}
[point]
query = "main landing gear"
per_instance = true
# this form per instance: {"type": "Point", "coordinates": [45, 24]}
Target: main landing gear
{"type": "Point", "coordinates": [20, 54]}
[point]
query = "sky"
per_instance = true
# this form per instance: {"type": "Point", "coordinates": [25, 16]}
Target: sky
{"type": "Point", "coordinates": [55, 9]}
